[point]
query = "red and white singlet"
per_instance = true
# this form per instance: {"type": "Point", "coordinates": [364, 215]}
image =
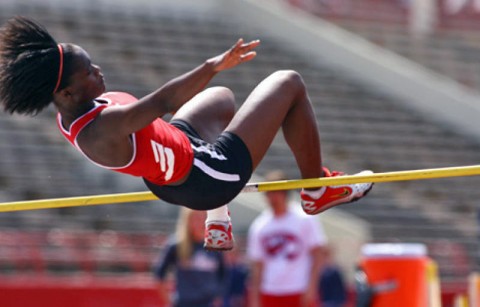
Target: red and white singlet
{"type": "Point", "coordinates": [162, 153]}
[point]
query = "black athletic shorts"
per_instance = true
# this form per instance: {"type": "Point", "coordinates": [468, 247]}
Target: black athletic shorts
{"type": "Point", "coordinates": [219, 172]}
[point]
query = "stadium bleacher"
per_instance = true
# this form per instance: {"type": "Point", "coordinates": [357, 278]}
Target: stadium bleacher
{"type": "Point", "coordinates": [452, 48]}
{"type": "Point", "coordinates": [361, 128]}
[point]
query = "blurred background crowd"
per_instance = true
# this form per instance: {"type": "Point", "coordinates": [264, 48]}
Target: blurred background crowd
{"type": "Point", "coordinates": [393, 84]}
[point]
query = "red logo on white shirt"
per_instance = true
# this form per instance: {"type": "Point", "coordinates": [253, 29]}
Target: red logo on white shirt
{"type": "Point", "coordinates": [285, 245]}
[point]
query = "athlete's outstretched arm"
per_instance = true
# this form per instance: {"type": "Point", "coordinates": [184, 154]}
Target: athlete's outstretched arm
{"type": "Point", "coordinates": [175, 93]}
{"type": "Point", "coordinates": [178, 91]}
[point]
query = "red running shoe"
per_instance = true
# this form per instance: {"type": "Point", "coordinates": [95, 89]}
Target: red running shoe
{"type": "Point", "coordinates": [335, 195]}
{"type": "Point", "coordinates": [218, 236]}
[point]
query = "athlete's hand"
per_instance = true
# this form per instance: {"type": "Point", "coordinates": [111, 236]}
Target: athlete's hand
{"type": "Point", "coordinates": [239, 53]}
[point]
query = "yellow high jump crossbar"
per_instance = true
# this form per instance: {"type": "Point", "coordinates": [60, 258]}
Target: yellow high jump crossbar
{"type": "Point", "coordinates": [105, 199]}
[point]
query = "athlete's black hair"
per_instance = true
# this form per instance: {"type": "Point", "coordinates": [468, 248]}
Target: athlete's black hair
{"type": "Point", "coordinates": [29, 65]}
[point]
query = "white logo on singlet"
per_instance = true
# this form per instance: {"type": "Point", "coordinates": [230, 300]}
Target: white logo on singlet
{"type": "Point", "coordinates": [165, 158]}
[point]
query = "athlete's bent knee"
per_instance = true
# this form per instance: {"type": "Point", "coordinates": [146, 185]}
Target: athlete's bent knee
{"type": "Point", "coordinates": [222, 92]}
{"type": "Point", "coordinates": [227, 100]}
{"type": "Point", "coordinates": [290, 77]}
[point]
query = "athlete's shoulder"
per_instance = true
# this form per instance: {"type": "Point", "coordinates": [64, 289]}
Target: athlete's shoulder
{"type": "Point", "coordinates": [118, 97]}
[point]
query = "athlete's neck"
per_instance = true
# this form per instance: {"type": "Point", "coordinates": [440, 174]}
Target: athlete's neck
{"type": "Point", "coordinates": [69, 115]}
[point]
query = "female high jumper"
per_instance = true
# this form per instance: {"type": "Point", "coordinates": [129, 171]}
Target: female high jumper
{"type": "Point", "coordinates": [203, 157]}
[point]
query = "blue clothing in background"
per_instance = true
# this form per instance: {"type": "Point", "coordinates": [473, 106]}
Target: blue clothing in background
{"type": "Point", "coordinates": [199, 281]}
{"type": "Point", "coordinates": [235, 286]}
{"type": "Point", "coordinates": [333, 292]}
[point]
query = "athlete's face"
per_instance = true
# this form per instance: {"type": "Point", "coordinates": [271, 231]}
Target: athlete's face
{"type": "Point", "coordinates": [86, 82]}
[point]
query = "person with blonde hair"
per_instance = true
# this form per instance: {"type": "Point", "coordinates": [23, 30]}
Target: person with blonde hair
{"type": "Point", "coordinates": [198, 274]}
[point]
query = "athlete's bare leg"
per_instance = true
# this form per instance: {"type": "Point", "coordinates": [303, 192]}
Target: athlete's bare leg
{"type": "Point", "coordinates": [209, 112]}
{"type": "Point", "coordinates": [281, 100]}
